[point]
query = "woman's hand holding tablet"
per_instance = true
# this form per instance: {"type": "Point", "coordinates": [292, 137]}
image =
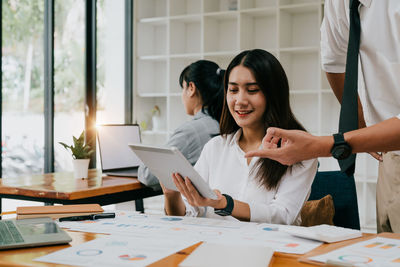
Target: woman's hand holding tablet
{"type": "Point", "coordinates": [187, 189]}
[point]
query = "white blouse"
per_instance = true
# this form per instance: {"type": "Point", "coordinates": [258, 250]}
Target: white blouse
{"type": "Point", "coordinates": [223, 166]}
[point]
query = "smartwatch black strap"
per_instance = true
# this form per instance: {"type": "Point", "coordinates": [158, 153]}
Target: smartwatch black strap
{"type": "Point", "coordinates": [229, 207]}
{"type": "Point", "coordinates": [338, 138]}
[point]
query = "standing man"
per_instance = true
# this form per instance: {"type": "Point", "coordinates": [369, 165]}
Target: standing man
{"type": "Point", "coordinates": [378, 92]}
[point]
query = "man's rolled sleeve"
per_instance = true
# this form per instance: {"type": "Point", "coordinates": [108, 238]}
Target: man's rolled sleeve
{"type": "Point", "coordinates": [334, 37]}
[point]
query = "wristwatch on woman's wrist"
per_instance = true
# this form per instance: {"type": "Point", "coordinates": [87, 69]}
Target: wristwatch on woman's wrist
{"type": "Point", "coordinates": [229, 207]}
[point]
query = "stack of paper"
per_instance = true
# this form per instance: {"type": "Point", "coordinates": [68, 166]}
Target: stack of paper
{"type": "Point", "coordinates": [323, 232]}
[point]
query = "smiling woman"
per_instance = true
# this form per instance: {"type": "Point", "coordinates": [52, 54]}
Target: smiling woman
{"type": "Point", "coordinates": [265, 92]}
{"type": "Point", "coordinates": [260, 190]}
{"type": "Point", "coordinates": [245, 100]}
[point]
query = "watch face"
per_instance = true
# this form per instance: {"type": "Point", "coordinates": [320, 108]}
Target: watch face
{"type": "Point", "coordinates": [341, 152]}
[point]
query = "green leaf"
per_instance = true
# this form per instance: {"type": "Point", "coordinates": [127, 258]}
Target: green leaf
{"type": "Point", "coordinates": [79, 149]}
{"type": "Point", "coordinates": [82, 136]}
{"type": "Point", "coordinates": [65, 145]}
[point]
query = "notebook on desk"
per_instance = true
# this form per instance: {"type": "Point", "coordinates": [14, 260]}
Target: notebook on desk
{"type": "Point", "coordinates": [116, 157]}
{"type": "Point", "coordinates": [58, 211]}
{"type": "Point", "coordinates": [235, 255]}
{"type": "Point", "coordinates": [31, 233]}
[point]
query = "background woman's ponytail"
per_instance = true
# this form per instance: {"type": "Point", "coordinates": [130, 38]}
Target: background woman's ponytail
{"type": "Point", "coordinates": [208, 78]}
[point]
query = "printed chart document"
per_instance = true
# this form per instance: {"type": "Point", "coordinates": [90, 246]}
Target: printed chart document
{"type": "Point", "coordinates": [378, 251]}
{"type": "Point", "coordinates": [323, 232]}
{"type": "Point", "coordinates": [216, 255]}
{"type": "Point", "coordinates": [116, 250]}
{"type": "Point", "coordinates": [201, 229]}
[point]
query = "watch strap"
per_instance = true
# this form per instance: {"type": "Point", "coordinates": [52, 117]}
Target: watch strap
{"type": "Point", "coordinates": [229, 206]}
{"type": "Point", "coordinates": [338, 139]}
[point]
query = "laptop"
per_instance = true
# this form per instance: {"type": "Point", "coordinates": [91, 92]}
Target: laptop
{"type": "Point", "coordinates": [31, 233]}
{"type": "Point", "coordinates": [117, 159]}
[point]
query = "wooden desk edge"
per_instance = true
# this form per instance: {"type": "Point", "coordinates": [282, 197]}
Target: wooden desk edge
{"type": "Point", "coordinates": [133, 184]}
{"type": "Point", "coordinates": [107, 190]}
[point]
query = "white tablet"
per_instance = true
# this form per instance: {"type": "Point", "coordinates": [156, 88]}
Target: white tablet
{"type": "Point", "coordinates": [162, 162]}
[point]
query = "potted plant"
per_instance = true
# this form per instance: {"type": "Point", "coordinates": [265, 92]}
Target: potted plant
{"type": "Point", "coordinates": [81, 153]}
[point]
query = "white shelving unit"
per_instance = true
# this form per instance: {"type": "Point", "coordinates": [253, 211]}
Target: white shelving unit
{"type": "Point", "coordinates": [170, 34]}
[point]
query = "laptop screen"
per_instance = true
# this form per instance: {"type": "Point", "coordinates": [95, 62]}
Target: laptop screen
{"type": "Point", "coordinates": [31, 233]}
{"type": "Point", "coordinates": [38, 228]}
{"type": "Point", "coordinates": [113, 145]}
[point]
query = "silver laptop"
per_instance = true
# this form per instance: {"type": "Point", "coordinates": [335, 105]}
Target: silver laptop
{"type": "Point", "coordinates": [115, 155]}
{"type": "Point", "coordinates": [31, 233]}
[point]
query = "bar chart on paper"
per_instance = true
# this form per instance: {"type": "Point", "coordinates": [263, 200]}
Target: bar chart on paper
{"type": "Point", "coordinates": [373, 252]}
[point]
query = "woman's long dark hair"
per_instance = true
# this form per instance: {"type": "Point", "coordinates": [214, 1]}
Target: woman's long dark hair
{"type": "Point", "coordinates": [272, 81]}
{"type": "Point", "coordinates": [208, 79]}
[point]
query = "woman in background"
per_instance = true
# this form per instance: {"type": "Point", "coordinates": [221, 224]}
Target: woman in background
{"type": "Point", "coordinates": [202, 97]}
{"type": "Point", "coordinates": [256, 93]}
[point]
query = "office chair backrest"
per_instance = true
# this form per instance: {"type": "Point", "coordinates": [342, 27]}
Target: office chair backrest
{"type": "Point", "coordinates": [343, 191]}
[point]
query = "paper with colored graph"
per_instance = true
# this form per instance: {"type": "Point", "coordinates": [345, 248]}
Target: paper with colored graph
{"type": "Point", "coordinates": [373, 252]}
{"type": "Point", "coordinates": [193, 228]}
{"type": "Point", "coordinates": [116, 250]}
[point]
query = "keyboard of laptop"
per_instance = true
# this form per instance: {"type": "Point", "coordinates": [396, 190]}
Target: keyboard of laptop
{"type": "Point", "coordinates": [9, 233]}
{"type": "Point", "coordinates": [125, 173]}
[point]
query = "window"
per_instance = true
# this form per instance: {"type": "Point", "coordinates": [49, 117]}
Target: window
{"type": "Point", "coordinates": [23, 76]}
{"type": "Point", "coordinates": [22, 87]}
{"type": "Point", "coordinates": [110, 61]}
{"type": "Point", "coordinates": [69, 88]}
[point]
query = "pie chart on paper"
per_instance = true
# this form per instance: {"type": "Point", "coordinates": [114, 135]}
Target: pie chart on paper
{"type": "Point", "coordinates": [135, 257]}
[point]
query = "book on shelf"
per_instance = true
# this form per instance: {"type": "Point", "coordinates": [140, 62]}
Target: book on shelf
{"type": "Point", "coordinates": [59, 211]}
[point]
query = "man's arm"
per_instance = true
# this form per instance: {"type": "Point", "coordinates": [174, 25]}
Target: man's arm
{"type": "Point", "coordinates": [299, 145]}
{"type": "Point", "coordinates": [336, 81]}
{"type": "Point", "coordinates": [383, 136]}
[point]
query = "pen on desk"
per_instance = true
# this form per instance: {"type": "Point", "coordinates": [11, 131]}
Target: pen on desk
{"type": "Point", "coordinates": [89, 217]}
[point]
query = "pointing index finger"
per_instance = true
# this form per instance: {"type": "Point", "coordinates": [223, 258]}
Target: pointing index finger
{"type": "Point", "coordinates": [262, 153]}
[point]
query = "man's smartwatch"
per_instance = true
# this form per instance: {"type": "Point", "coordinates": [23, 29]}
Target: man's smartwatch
{"type": "Point", "coordinates": [341, 149]}
{"type": "Point", "coordinates": [228, 209]}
